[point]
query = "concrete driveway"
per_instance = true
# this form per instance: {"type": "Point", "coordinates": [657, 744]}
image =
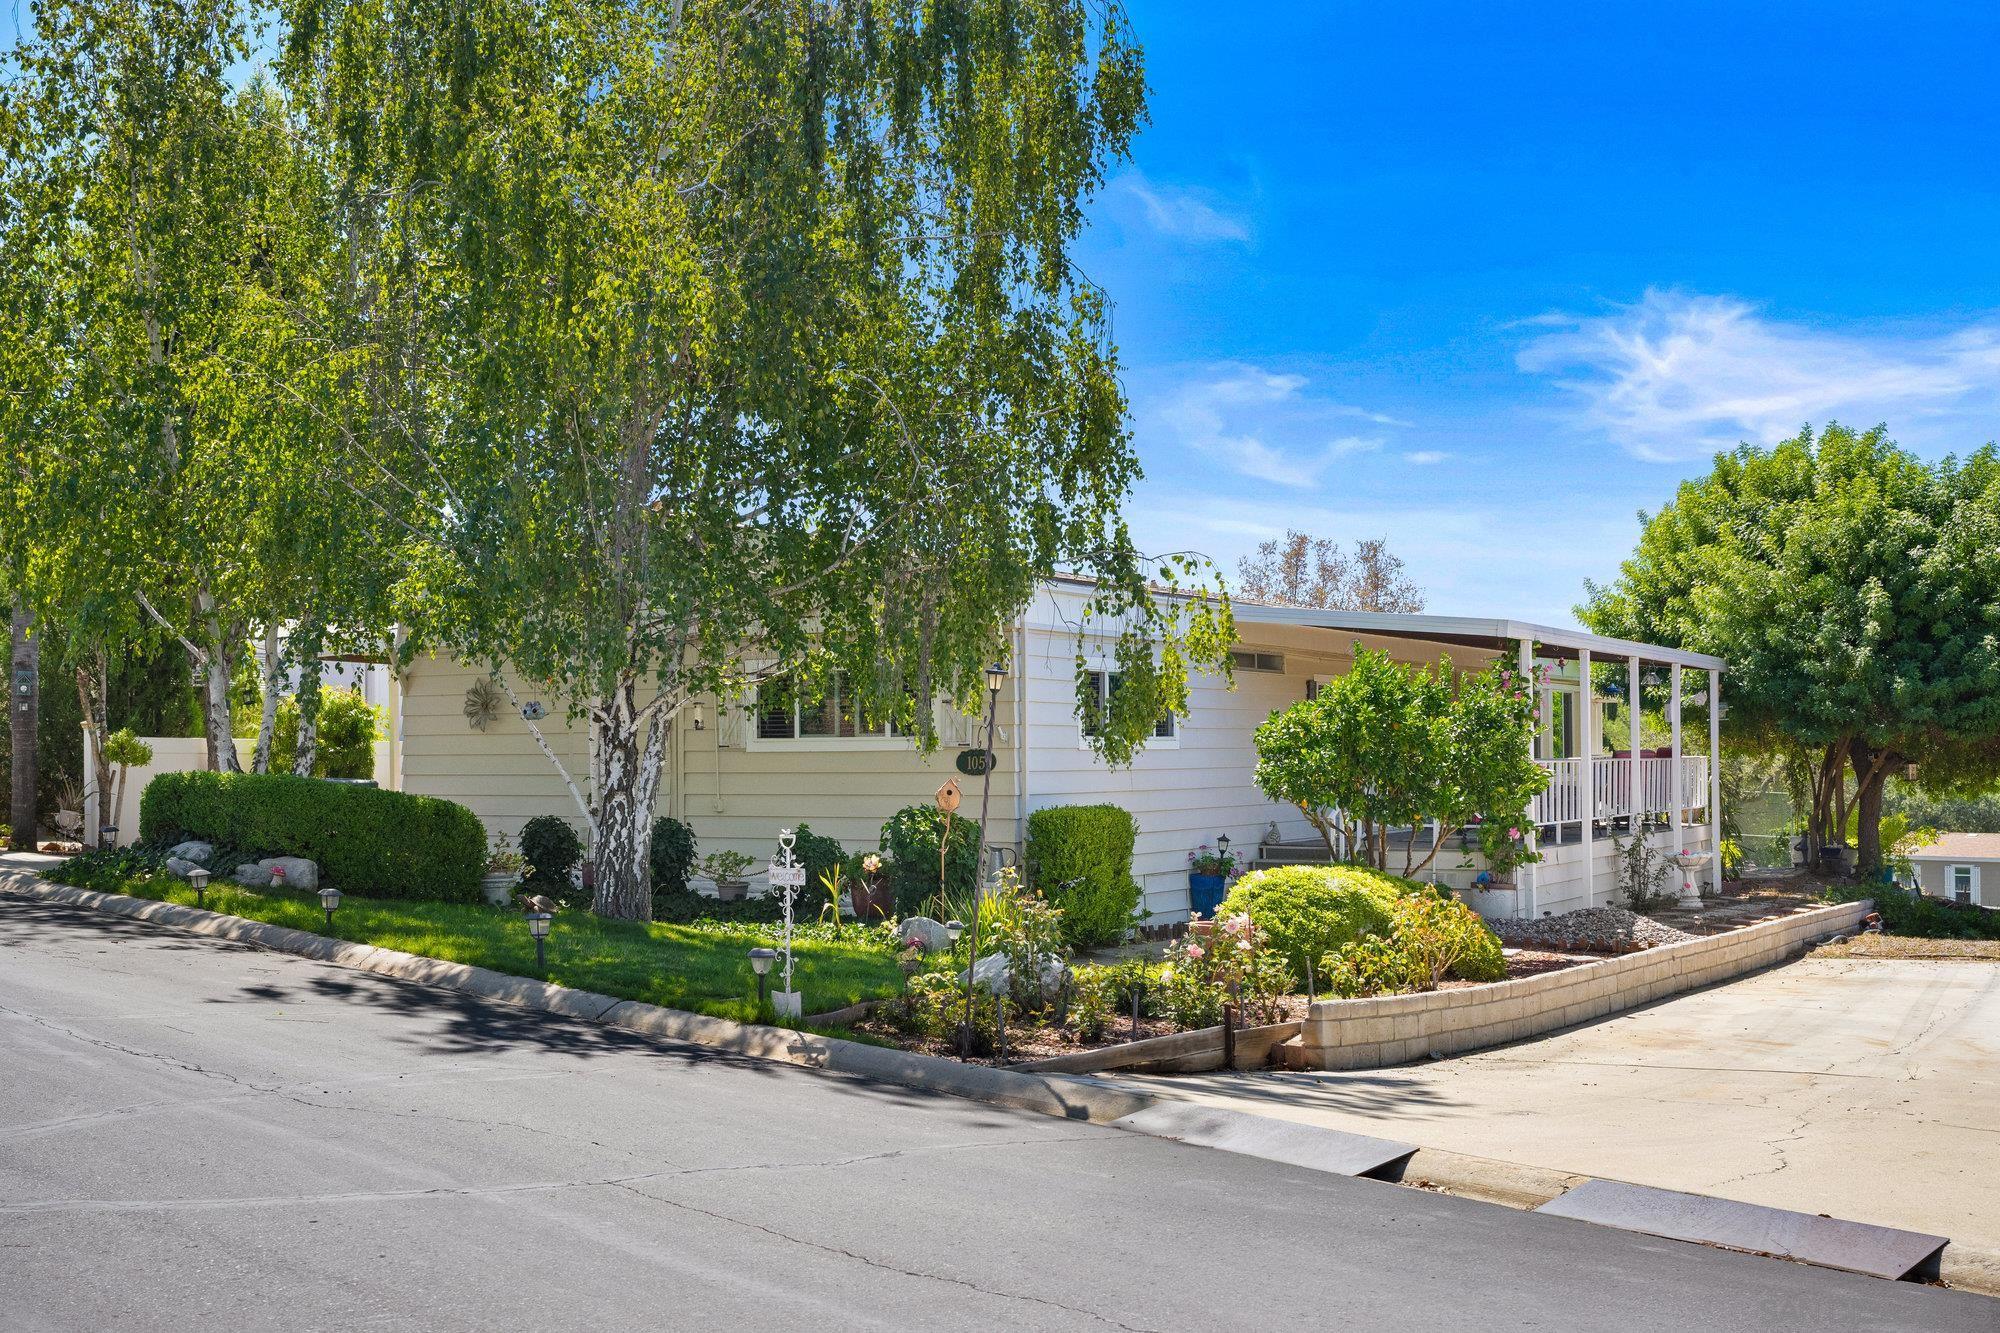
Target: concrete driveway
{"type": "Point", "coordinates": [1862, 1088]}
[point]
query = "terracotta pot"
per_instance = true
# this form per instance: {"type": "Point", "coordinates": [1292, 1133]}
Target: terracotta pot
{"type": "Point", "coordinates": [873, 900]}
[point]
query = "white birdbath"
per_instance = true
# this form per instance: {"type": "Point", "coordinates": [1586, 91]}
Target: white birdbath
{"type": "Point", "coordinates": [1689, 863]}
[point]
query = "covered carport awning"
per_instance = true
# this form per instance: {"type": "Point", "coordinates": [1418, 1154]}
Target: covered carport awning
{"type": "Point", "coordinates": [1549, 641]}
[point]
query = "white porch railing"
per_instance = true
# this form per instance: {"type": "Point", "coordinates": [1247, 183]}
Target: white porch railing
{"type": "Point", "coordinates": [1619, 788]}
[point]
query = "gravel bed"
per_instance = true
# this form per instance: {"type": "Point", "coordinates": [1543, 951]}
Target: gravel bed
{"type": "Point", "coordinates": [1590, 930]}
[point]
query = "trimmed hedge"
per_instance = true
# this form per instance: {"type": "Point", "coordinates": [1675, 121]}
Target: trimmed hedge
{"type": "Point", "coordinates": [1310, 911]}
{"type": "Point", "coordinates": [1080, 857]}
{"type": "Point", "coordinates": [384, 844]}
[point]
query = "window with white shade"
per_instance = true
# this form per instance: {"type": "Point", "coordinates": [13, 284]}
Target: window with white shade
{"type": "Point", "coordinates": [1962, 880]}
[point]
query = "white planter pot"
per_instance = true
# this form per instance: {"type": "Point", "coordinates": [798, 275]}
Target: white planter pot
{"type": "Point", "coordinates": [499, 889]}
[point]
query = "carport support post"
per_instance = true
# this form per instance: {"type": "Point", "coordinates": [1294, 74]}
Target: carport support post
{"type": "Point", "coordinates": [1678, 796]}
{"type": "Point", "coordinates": [1586, 748]}
{"type": "Point", "coordinates": [1636, 794]}
{"type": "Point", "coordinates": [1715, 778]}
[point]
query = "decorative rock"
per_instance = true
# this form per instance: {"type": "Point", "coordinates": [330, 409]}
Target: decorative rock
{"type": "Point", "coordinates": [1590, 930]}
{"type": "Point", "coordinates": [930, 934]}
{"type": "Point", "coordinates": [994, 973]}
{"type": "Point", "coordinates": [181, 866]}
{"type": "Point", "coordinates": [194, 849]}
{"type": "Point", "coordinates": [300, 873]}
{"type": "Point", "coordinates": [252, 876]}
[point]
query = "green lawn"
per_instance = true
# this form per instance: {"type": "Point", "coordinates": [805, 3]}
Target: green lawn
{"type": "Point", "coordinates": [704, 970]}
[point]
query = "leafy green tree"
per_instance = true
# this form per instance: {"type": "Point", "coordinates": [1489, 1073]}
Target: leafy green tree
{"type": "Point", "coordinates": [729, 341]}
{"type": "Point", "coordinates": [1389, 745]}
{"type": "Point", "coordinates": [1854, 591]}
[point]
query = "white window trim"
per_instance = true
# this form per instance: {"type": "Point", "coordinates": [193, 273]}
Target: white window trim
{"type": "Point", "coordinates": [1172, 742]}
{"type": "Point", "coordinates": [1971, 883]}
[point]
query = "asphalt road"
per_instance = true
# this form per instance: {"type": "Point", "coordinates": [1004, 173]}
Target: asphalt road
{"type": "Point", "coordinates": [195, 1134]}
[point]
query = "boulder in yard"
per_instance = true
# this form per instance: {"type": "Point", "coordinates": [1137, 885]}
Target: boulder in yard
{"type": "Point", "coordinates": [930, 935]}
{"type": "Point", "coordinates": [252, 876]}
{"type": "Point", "coordinates": [300, 873]}
{"type": "Point", "coordinates": [194, 849]}
{"type": "Point", "coordinates": [994, 973]}
{"type": "Point", "coordinates": [181, 866]}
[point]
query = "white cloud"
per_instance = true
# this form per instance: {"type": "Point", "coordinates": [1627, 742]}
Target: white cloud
{"type": "Point", "coordinates": [1425, 457]}
{"type": "Point", "coordinates": [1262, 424]}
{"type": "Point", "coordinates": [1181, 212]}
{"type": "Point", "coordinates": [1677, 376]}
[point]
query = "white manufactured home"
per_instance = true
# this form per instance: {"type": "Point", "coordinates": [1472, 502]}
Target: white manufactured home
{"type": "Point", "coordinates": [747, 771]}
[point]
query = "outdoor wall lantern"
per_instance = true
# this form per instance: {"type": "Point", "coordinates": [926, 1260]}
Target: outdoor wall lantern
{"type": "Point", "coordinates": [1222, 844]}
{"type": "Point", "coordinates": [329, 899]}
{"type": "Point", "coordinates": [198, 879]}
{"type": "Point", "coordinates": [538, 926]}
{"type": "Point", "coordinates": [760, 963]}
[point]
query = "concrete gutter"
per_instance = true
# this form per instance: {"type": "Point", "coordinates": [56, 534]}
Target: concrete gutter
{"type": "Point", "coordinates": [1069, 1097]}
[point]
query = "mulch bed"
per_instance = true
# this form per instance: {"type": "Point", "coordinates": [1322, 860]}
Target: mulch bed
{"type": "Point", "coordinates": [1910, 947]}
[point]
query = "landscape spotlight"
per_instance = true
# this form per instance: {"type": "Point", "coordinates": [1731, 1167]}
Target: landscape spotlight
{"type": "Point", "coordinates": [761, 960]}
{"type": "Point", "coordinates": [198, 879]}
{"type": "Point", "coordinates": [538, 926]}
{"type": "Point", "coordinates": [329, 898]}
{"type": "Point", "coordinates": [107, 838]}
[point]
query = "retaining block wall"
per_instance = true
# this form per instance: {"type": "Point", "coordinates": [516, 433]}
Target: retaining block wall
{"type": "Point", "coordinates": [1392, 1029]}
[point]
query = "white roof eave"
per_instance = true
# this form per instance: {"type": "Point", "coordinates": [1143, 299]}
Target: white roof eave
{"type": "Point", "coordinates": [1399, 625]}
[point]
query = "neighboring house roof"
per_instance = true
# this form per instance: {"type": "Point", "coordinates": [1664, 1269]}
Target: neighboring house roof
{"type": "Point", "coordinates": [1960, 847]}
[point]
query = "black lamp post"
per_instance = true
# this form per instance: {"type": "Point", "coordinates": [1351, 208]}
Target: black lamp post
{"type": "Point", "coordinates": [538, 926]}
{"type": "Point", "coordinates": [760, 962]}
{"type": "Point", "coordinates": [329, 899]}
{"type": "Point", "coordinates": [996, 677]}
{"type": "Point", "coordinates": [198, 881]}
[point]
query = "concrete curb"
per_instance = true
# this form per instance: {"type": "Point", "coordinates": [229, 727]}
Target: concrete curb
{"type": "Point", "coordinates": [1070, 1097]}
{"type": "Point", "coordinates": [1067, 1098]}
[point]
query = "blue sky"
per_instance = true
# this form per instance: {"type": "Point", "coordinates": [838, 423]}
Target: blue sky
{"type": "Point", "coordinates": [1487, 279]}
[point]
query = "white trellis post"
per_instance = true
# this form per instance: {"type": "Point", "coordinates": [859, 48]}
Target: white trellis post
{"type": "Point", "coordinates": [1678, 795]}
{"type": "Point", "coordinates": [787, 877]}
{"type": "Point", "coordinates": [1586, 717]}
{"type": "Point", "coordinates": [1715, 779]}
{"type": "Point", "coordinates": [1634, 770]}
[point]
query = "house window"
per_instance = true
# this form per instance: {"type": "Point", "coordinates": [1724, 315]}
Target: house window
{"type": "Point", "coordinates": [1312, 689]}
{"type": "Point", "coordinates": [1248, 661]}
{"type": "Point", "coordinates": [836, 716]}
{"type": "Point", "coordinates": [1103, 689]}
{"type": "Point", "coordinates": [1961, 884]}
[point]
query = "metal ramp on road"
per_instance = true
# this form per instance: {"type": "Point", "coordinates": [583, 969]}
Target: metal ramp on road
{"type": "Point", "coordinates": [1857, 1247]}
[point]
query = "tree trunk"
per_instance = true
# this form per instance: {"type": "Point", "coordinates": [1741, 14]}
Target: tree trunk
{"type": "Point", "coordinates": [24, 720]}
{"type": "Point", "coordinates": [93, 689]}
{"type": "Point", "coordinates": [1871, 774]}
{"type": "Point", "coordinates": [267, 724]}
{"type": "Point", "coordinates": [631, 749]}
{"type": "Point", "coordinates": [309, 637]}
{"type": "Point", "coordinates": [218, 657]}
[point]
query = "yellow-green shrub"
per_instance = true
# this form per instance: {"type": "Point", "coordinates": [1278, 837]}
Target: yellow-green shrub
{"type": "Point", "coordinates": [1310, 911]}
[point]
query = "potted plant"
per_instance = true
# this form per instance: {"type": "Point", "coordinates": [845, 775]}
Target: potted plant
{"type": "Point", "coordinates": [504, 869]}
{"type": "Point", "coordinates": [873, 896]}
{"type": "Point", "coordinates": [1505, 847]}
{"type": "Point", "coordinates": [727, 870]}
{"type": "Point", "coordinates": [1209, 869]}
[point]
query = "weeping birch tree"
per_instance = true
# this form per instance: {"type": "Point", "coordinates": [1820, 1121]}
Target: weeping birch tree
{"type": "Point", "coordinates": [715, 341]}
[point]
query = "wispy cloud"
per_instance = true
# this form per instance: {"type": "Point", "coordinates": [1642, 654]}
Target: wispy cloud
{"type": "Point", "coordinates": [1677, 376]}
{"type": "Point", "coordinates": [1263, 424]}
{"type": "Point", "coordinates": [1425, 457]}
{"type": "Point", "coordinates": [1183, 212]}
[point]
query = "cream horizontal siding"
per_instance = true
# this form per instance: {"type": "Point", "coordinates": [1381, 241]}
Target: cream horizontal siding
{"type": "Point", "coordinates": [1204, 784]}
{"type": "Point", "coordinates": [735, 796]}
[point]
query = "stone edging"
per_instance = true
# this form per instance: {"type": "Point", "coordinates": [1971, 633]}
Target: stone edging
{"type": "Point", "coordinates": [1394, 1029]}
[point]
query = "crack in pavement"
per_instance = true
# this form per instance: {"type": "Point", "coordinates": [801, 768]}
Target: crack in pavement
{"type": "Point", "coordinates": [34, 1206]}
{"type": "Point", "coordinates": [100, 1042]}
{"type": "Point", "coordinates": [882, 1264]}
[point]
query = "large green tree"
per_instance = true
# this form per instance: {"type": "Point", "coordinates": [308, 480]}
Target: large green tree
{"type": "Point", "coordinates": [1854, 590]}
{"type": "Point", "coordinates": [727, 340]}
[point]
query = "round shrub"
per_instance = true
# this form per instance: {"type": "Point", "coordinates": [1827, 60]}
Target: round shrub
{"type": "Point", "coordinates": [818, 855]}
{"type": "Point", "coordinates": [672, 855]}
{"type": "Point", "coordinates": [911, 837]}
{"type": "Point", "coordinates": [552, 849]}
{"type": "Point", "coordinates": [1080, 857]}
{"type": "Point", "coordinates": [1431, 936]}
{"type": "Point", "coordinates": [1311, 911]}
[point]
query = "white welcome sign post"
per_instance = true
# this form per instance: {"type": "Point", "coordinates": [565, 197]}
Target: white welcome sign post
{"type": "Point", "coordinates": [787, 877]}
